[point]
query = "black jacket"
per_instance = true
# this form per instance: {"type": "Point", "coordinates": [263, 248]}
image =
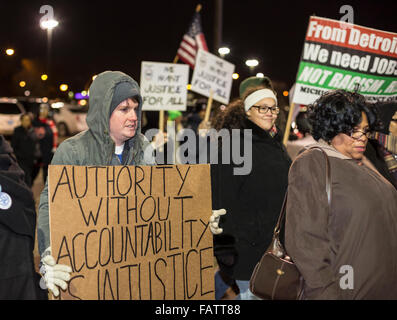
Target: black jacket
{"type": "Point", "coordinates": [18, 279]}
{"type": "Point", "coordinates": [24, 145]}
{"type": "Point", "coordinates": [46, 143]}
{"type": "Point", "coordinates": [253, 202]}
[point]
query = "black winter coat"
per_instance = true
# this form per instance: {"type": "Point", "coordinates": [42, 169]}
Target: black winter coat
{"type": "Point", "coordinates": [24, 144]}
{"type": "Point", "coordinates": [46, 143]}
{"type": "Point", "coordinates": [253, 202]}
{"type": "Point", "coordinates": [18, 279]}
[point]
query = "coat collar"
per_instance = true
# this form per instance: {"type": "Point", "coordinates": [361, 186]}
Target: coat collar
{"type": "Point", "coordinates": [329, 150]}
{"type": "Point", "coordinates": [258, 132]}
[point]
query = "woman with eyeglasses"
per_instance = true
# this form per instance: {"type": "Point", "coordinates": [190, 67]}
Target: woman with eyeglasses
{"type": "Point", "coordinates": [348, 249]}
{"type": "Point", "coordinates": [253, 200]}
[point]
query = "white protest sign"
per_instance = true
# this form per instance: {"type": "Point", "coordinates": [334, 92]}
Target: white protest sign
{"type": "Point", "coordinates": [164, 86]}
{"type": "Point", "coordinates": [212, 72]}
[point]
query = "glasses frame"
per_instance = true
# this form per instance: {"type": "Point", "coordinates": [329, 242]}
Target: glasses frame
{"type": "Point", "coordinates": [261, 108]}
{"type": "Point", "coordinates": [366, 133]}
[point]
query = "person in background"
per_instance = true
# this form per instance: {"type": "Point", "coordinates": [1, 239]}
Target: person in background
{"type": "Point", "coordinates": [196, 117]}
{"type": "Point", "coordinates": [18, 279]}
{"type": "Point", "coordinates": [356, 236]}
{"type": "Point", "coordinates": [26, 148]}
{"type": "Point", "coordinates": [382, 146]}
{"type": "Point", "coordinates": [46, 132]}
{"type": "Point", "coordinates": [44, 117]}
{"type": "Point", "coordinates": [253, 201]}
{"type": "Point", "coordinates": [304, 127]}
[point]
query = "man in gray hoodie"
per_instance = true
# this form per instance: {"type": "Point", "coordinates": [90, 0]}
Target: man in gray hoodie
{"type": "Point", "coordinates": [113, 138]}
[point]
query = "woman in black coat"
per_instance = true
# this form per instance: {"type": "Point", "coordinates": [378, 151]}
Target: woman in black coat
{"type": "Point", "coordinates": [252, 201]}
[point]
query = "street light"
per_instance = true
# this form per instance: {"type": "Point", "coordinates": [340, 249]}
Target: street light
{"type": "Point", "coordinates": [10, 52]}
{"type": "Point", "coordinates": [63, 87]}
{"type": "Point", "coordinates": [235, 76]}
{"type": "Point", "coordinates": [49, 25]}
{"type": "Point", "coordinates": [44, 77]}
{"type": "Point", "coordinates": [252, 63]}
{"type": "Point", "coordinates": [223, 51]}
{"type": "Point", "coordinates": [22, 84]}
{"type": "Point", "coordinates": [260, 75]}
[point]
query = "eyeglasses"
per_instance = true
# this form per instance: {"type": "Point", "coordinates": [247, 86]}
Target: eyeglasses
{"type": "Point", "coordinates": [263, 110]}
{"type": "Point", "coordinates": [357, 134]}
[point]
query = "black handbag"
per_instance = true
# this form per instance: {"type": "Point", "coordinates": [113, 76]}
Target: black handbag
{"type": "Point", "coordinates": [275, 276]}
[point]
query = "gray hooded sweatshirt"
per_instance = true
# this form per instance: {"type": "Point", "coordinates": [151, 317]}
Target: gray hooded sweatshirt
{"type": "Point", "coordinates": [95, 146]}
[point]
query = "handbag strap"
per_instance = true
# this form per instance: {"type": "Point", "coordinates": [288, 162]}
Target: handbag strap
{"type": "Point", "coordinates": [327, 188]}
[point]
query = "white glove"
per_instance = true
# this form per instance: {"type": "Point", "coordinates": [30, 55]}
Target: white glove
{"type": "Point", "coordinates": [159, 140]}
{"type": "Point", "coordinates": [214, 221]}
{"type": "Point", "coordinates": [53, 275]}
{"type": "Point", "coordinates": [203, 128]}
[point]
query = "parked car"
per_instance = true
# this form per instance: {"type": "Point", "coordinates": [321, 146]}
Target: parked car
{"type": "Point", "coordinates": [69, 118]}
{"type": "Point", "coordinates": [32, 105]}
{"type": "Point", "coordinates": [10, 115]}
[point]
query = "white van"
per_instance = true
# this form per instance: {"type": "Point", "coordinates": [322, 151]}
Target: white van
{"type": "Point", "coordinates": [69, 118]}
{"type": "Point", "coordinates": [10, 115]}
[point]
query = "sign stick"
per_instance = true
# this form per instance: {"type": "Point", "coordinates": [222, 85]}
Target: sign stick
{"type": "Point", "coordinates": [209, 105]}
{"type": "Point", "coordinates": [288, 125]}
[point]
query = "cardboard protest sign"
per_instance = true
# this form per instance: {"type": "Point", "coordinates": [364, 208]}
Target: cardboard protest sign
{"type": "Point", "coordinates": [164, 86]}
{"type": "Point", "coordinates": [133, 232]}
{"type": "Point", "coordinates": [339, 55]}
{"type": "Point", "coordinates": [212, 72]}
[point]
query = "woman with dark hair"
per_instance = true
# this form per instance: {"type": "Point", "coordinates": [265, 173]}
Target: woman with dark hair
{"type": "Point", "coordinates": [252, 201]}
{"type": "Point", "coordinates": [347, 250]}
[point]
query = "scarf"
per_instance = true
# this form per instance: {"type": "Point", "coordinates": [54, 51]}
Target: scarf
{"type": "Point", "coordinates": [389, 149]}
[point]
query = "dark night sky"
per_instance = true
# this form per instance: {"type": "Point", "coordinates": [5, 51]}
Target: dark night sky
{"type": "Point", "coordinates": [96, 36]}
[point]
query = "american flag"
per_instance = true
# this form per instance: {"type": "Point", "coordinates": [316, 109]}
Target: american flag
{"type": "Point", "coordinates": [192, 41]}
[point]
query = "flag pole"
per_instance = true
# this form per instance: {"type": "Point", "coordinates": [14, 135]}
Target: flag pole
{"type": "Point", "coordinates": [161, 117]}
{"type": "Point", "coordinates": [288, 125]}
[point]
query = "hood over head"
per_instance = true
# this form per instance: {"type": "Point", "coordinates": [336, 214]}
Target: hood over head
{"type": "Point", "coordinates": [103, 101]}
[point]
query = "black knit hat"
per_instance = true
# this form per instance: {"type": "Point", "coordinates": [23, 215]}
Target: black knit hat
{"type": "Point", "coordinates": [122, 91]}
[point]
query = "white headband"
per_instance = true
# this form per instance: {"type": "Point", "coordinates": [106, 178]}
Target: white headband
{"type": "Point", "coordinates": [257, 96]}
